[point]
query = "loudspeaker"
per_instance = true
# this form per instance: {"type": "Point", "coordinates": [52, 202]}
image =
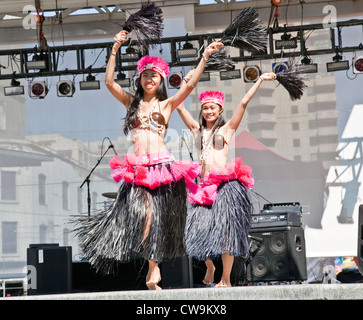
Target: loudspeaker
{"type": "Point", "coordinates": [360, 240]}
{"type": "Point", "coordinates": [177, 273]}
{"type": "Point", "coordinates": [281, 255]}
{"type": "Point", "coordinates": [53, 269]}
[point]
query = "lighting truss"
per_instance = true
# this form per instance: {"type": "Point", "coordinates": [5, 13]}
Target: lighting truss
{"type": "Point", "coordinates": [80, 50]}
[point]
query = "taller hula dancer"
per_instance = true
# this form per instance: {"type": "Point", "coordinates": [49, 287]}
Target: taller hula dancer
{"type": "Point", "coordinates": [147, 219]}
{"type": "Point", "coordinates": [218, 220]}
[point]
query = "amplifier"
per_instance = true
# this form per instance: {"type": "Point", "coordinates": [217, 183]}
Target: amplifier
{"type": "Point", "coordinates": [278, 215]}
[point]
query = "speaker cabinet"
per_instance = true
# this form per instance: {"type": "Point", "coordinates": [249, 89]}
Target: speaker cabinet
{"type": "Point", "coordinates": [53, 269]}
{"type": "Point", "coordinates": [360, 240]}
{"type": "Point", "coordinates": [281, 255]}
{"type": "Point", "coordinates": [177, 273]}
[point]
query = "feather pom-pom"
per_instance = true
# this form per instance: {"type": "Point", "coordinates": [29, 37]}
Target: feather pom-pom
{"type": "Point", "coordinates": [219, 61]}
{"type": "Point", "coordinates": [292, 80]}
{"type": "Point", "coordinates": [246, 32]}
{"type": "Point", "coordinates": [147, 24]}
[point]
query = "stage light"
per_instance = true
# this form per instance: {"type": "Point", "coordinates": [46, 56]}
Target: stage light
{"type": "Point", "coordinates": [175, 80]}
{"type": "Point", "coordinates": [131, 55]}
{"type": "Point", "coordinates": [122, 80]}
{"type": "Point", "coordinates": [338, 64]}
{"type": "Point", "coordinates": [251, 73]}
{"type": "Point", "coordinates": [188, 51]}
{"type": "Point", "coordinates": [229, 75]}
{"type": "Point", "coordinates": [15, 88]}
{"type": "Point", "coordinates": [307, 67]}
{"type": "Point", "coordinates": [280, 66]}
{"type": "Point", "coordinates": [90, 84]}
{"type": "Point", "coordinates": [65, 88]}
{"type": "Point", "coordinates": [357, 64]}
{"type": "Point", "coordinates": [38, 89]}
{"type": "Point", "coordinates": [204, 77]}
{"type": "Point", "coordinates": [286, 42]}
{"type": "Point", "coordinates": [39, 62]}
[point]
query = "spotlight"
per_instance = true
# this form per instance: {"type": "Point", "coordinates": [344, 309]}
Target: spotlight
{"type": "Point", "coordinates": [307, 67]}
{"type": "Point", "coordinates": [357, 64]}
{"type": "Point", "coordinates": [131, 55]}
{"type": "Point", "coordinates": [286, 42]}
{"type": "Point", "coordinates": [204, 77]}
{"type": "Point", "coordinates": [188, 51]}
{"type": "Point", "coordinates": [251, 73]}
{"type": "Point", "coordinates": [65, 88]}
{"type": "Point", "coordinates": [338, 64]}
{"type": "Point", "coordinates": [175, 80]}
{"type": "Point", "coordinates": [122, 80]}
{"type": "Point", "coordinates": [280, 66]}
{"type": "Point", "coordinates": [14, 89]}
{"type": "Point", "coordinates": [38, 89]}
{"type": "Point", "coordinates": [231, 74]}
{"type": "Point", "coordinates": [39, 62]}
{"type": "Point", "coordinates": [90, 84]}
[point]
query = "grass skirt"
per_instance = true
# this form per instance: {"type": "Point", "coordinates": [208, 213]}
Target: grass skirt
{"type": "Point", "coordinates": [223, 225]}
{"type": "Point", "coordinates": [143, 222]}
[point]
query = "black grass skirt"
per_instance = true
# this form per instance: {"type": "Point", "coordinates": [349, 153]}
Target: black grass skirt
{"type": "Point", "coordinates": [222, 227]}
{"type": "Point", "coordinates": [142, 222]}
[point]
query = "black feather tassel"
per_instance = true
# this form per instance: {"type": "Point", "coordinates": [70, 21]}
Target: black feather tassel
{"type": "Point", "coordinates": [219, 61]}
{"type": "Point", "coordinates": [293, 80]}
{"type": "Point", "coordinates": [147, 24]}
{"type": "Point", "coordinates": [246, 32]}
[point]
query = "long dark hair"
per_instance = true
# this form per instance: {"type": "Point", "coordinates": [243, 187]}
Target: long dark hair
{"type": "Point", "coordinates": [131, 115]}
{"type": "Point", "coordinates": [203, 124]}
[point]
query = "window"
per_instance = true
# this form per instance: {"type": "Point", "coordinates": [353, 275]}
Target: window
{"type": "Point", "coordinates": [80, 199]}
{"type": "Point", "coordinates": [8, 185]}
{"type": "Point", "coordinates": [42, 181]}
{"type": "Point", "coordinates": [9, 238]}
{"type": "Point", "coordinates": [296, 142]}
{"type": "Point", "coordinates": [295, 126]}
{"type": "Point", "coordinates": [65, 192]}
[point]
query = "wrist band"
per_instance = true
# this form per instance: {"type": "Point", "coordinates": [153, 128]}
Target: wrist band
{"type": "Point", "coordinates": [186, 80]}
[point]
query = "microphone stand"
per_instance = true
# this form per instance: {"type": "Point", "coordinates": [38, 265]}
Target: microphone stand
{"type": "Point", "coordinates": [87, 180]}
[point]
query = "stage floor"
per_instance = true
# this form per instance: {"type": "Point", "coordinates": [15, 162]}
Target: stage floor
{"type": "Point", "coordinates": [351, 291]}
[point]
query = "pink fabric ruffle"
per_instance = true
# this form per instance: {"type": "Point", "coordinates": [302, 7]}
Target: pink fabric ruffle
{"type": "Point", "coordinates": [152, 176]}
{"type": "Point", "coordinates": [206, 193]}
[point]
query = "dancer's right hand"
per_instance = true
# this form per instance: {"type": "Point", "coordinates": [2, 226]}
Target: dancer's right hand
{"type": "Point", "coordinates": [212, 48]}
{"type": "Point", "coordinates": [120, 37]}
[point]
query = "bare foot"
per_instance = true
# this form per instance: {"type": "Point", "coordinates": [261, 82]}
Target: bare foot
{"type": "Point", "coordinates": [223, 284]}
{"type": "Point", "coordinates": [153, 278]}
{"type": "Point", "coordinates": [209, 276]}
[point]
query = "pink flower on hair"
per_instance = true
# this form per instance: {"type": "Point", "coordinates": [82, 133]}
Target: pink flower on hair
{"type": "Point", "coordinates": [153, 63]}
{"type": "Point", "coordinates": [212, 96]}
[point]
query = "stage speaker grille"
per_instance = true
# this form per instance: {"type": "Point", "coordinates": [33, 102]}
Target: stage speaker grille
{"type": "Point", "coordinates": [281, 256]}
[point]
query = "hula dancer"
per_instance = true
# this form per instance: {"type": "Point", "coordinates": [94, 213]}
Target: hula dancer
{"type": "Point", "coordinates": [218, 219]}
{"type": "Point", "coordinates": [147, 219]}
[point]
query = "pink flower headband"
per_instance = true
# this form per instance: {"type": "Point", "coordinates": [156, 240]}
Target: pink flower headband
{"type": "Point", "coordinates": [212, 96]}
{"type": "Point", "coordinates": [153, 63]}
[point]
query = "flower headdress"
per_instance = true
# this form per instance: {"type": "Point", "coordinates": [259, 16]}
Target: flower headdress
{"type": "Point", "coordinates": [212, 96]}
{"type": "Point", "coordinates": [153, 63]}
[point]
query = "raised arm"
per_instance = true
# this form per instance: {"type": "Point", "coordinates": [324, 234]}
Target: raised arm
{"type": "Point", "coordinates": [117, 91]}
{"type": "Point", "coordinates": [185, 90]}
{"type": "Point", "coordinates": [234, 122]}
{"type": "Point", "coordinates": [184, 114]}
